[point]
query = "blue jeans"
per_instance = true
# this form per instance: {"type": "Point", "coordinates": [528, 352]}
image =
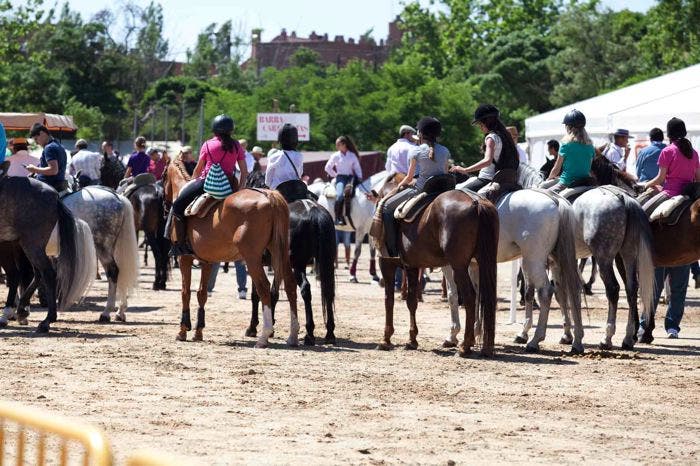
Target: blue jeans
{"type": "Point", "coordinates": [241, 276]}
{"type": "Point", "coordinates": [344, 237]}
{"type": "Point", "coordinates": [340, 182]}
{"type": "Point", "coordinates": [678, 277]}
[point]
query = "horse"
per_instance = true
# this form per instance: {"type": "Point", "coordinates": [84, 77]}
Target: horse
{"type": "Point", "coordinates": [19, 276]}
{"type": "Point", "coordinates": [361, 212]}
{"type": "Point", "coordinates": [111, 220]}
{"type": "Point", "coordinates": [312, 239]}
{"type": "Point", "coordinates": [149, 216]}
{"type": "Point", "coordinates": [31, 212]}
{"type": "Point", "coordinates": [453, 230]}
{"type": "Point", "coordinates": [540, 228]}
{"type": "Point", "coordinates": [242, 226]}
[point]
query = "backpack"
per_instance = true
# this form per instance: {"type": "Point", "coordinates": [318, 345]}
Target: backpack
{"type": "Point", "coordinates": [216, 182]}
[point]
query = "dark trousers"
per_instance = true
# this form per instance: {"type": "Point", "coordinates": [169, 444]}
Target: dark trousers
{"type": "Point", "coordinates": [188, 194]}
{"type": "Point", "coordinates": [475, 183]}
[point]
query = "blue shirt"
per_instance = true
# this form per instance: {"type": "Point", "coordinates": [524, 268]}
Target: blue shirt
{"type": "Point", "coordinates": [648, 161]}
{"type": "Point", "coordinates": [3, 143]}
{"type": "Point", "coordinates": [53, 151]}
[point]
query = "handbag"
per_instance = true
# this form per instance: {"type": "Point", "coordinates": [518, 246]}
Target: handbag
{"type": "Point", "coordinates": [216, 183]}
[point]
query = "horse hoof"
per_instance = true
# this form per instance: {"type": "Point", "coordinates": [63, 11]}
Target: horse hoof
{"type": "Point", "coordinates": [411, 345]}
{"type": "Point", "coordinates": [309, 341]}
{"type": "Point", "coordinates": [120, 317]}
{"type": "Point", "coordinates": [251, 332]}
{"type": "Point", "coordinates": [330, 340]}
{"type": "Point", "coordinates": [646, 338]}
{"type": "Point", "coordinates": [627, 346]}
{"type": "Point", "coordinates": [43, 327]}
{"type": "Point", "coordinates": [198, 336]}
{"type": "Point", "coordinates": [449, 344]}
{"type": "Point", "coordinates": [384, 346]}
{"type": "Point", "coordinates": [532, 349]}
{"type": "Point", "coordinates": [104, 318]}
{"type": "Point", "coordinates": [605, 346]}
{"type": "Point", "coordinates": [261, 344]}
{"type": "Point", "coordinates": [23, 321]}
{"type": "Point", "coordinates": [464, 352]}
{"type": "Point", "coordinates": [487, 352]}
{"type": "Point", "coordinates": [565, 340]}
{"type": "Point", "coordinates": [375, 278]}
{"type": "Point", "coordinates": [3, 323]}
{"type": "Point", "coordinates": [520, 339]}
{"type": "Point", "coordinates": [576, 350]}
{"type": "Point", "coordinates": [381, 282]}
{"type": "Point", "coordinates": [353, 280]}
{"type": "Point", "coordinates": [587, 290]}
{"type": "Point", "coordinates": [292, 342]}
{"type": "Point", "coordinates": [182, 336]}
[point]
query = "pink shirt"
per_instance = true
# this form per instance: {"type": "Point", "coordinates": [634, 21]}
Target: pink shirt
{"type": "Point", "coordinates": [212, 152]}
{"type": "Point", "coordinates": [157, 168]}
{"type": "Point", "coordinates": [679, 170]}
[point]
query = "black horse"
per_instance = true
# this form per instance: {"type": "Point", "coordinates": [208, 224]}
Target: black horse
{"type": "Point", "coordinates": [19, 275]}
{"type": "Point", "coordinates": [312, 239]}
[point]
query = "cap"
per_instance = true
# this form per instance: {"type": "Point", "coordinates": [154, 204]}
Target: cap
{"type": "Point", "coordinates": [406, 129]}
{"type": "Point", "coordinates": [257, 150]}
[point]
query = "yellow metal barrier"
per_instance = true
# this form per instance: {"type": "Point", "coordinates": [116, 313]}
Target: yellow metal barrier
{"type": "Point", "coordinates": [97, 449]}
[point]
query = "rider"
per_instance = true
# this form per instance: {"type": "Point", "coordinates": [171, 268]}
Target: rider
{"type": "Point", "coordinates": [342, 165]}
{"type": "Point", "coordinates": [52, 164]}
{"type": "Point", "coordinates": [86, 162]}
{"type": "Point", "coordinates": [286, 164]}
{"type": "Point", "coordinates": [397, 154]}
{"type": "Point", "coordinates": [499, 167]}
{"type": "Point", "coordinates": [430, 159]}
{"type": "Point", "coordinates": [222, 149]}
{"type": "Point", "coordinates": [138, 161]}
{"type": "Point", "coordinates": [573, 165]}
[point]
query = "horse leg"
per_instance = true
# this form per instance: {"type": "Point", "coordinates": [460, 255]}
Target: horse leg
{"type": "Point", "coordinates": [372, 262]}
{"type": "Point", "coordinates": [186, 292]}
{"type": "Point", "coordinates": [202, 296]}
{"type": "Point", "coordinates": [453, 299]}
{"type": "Point", "coordinates": [355, 258]}
{"type": "Point", "coordinates": [537, 275]}
{"type": "Point", "coordinates": [262, 285]}
{"type": "Point", "coordinates": [12, 280]}
{"type": "Point", "coordinates": [112, 274]}
{"type": "Point", "coordinates": [252, 330]}
{"type": "Point", "coordinates": [388, 268]}
{"type": "Point", "coordinates": [612, 291]}
{"type": "Point", "coordinates": [411, 277]}
{"type": "Point", "coordinates": [566, 338]}
{"type": "Point", "coordinates": [632, 290]}
{"type": "Point", "coordinates": [145, 254]}
{"type": "Point", "coordinates": [575, 314]}
{"type": "Point", "coordinates": [404, 287]}
{"type": "Point", "coordinates": [468, 292]}
{"type": "Point", "coordinates": [305, 287]}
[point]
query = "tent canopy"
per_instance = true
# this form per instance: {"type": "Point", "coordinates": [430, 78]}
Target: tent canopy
{"type": "Point", "coordinates": [24, 121]}
{"type": "Point", "coordinates": [638, 108]}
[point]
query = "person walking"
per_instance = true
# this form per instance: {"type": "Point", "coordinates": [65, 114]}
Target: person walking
{"type": "Point", "coordinates": [397, 154]}
{"type": "Point", "coordinates": [647, 164]}
{"type": "Point", "coordinates": [343, 165]}
{"type": "Point", "coordinates": [87, 163]}
{"type": "Point", "coordinates": [52, 164]}
{"type": "Point", "coordinates": [20, 157]}
{"type": "Point", "coordinates": [573, 164]}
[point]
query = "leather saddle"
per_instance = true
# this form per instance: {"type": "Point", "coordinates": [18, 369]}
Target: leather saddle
{"type": "Point", "coordinates": [128, 186]}
{"type": "Point", "coordinates": [577, 188]}
{"type": "Point", "coordinates": [409, 210]}
{"type": "Point", "coordinates": [671, 210]}
{"type": "Point", "coordinates": [295, 190]}
{"type": "Point", "coordinates": [202, 205]}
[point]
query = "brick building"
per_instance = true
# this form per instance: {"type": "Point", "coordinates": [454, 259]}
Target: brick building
{"type": "Point", "coordinates": [338, 51]}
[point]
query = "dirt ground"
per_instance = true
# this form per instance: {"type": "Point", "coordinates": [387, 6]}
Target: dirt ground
{"type": "Point", "coordinates": [222, 401]}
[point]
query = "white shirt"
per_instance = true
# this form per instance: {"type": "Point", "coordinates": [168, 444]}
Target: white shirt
{"type": "Point", "coordinates": [16, 161]}
{"type": "Point", "coordinates": [487, 173]}
{"type": "Point", "coordinates": [344, 164]}
{"type": "Point", "coordinates": [397, 156]}
{"type": "Point", "coordinates": [88, 163]}
{"type": "Point", "coordinates": [280, 170]}
{"type": "Point", "coordinates": [616, 155]}
{"type": "Point", "coordinates": [250, 161]}
{"type": "Point", "coordinates": [522, 155]}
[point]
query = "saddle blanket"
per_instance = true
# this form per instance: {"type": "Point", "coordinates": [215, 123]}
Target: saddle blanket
{"type": "Point", "coordinates": [201, 206]}
{"type": "Point", "coordinates": [670, 211]}
{"type": "Point", "coordinates": [410, 209]}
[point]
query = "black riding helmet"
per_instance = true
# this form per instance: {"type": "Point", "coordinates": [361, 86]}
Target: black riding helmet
{"type": "Point", "coordinates": [484, 111]}
{"type": "Point", "coordinates": [288, 137]}
{"type": "Point", "coordinates": [222, 124]}
{"type": "Point", "coordinates": [429, 127]}
{"type": "Point", "coordinates": [575, 118]}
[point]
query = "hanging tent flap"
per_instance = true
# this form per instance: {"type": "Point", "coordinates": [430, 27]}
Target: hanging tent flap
{"type": "Point", "coordinates": [24, 121]}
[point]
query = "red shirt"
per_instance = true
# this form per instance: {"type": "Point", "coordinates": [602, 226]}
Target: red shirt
{"type": "Point", "coordinates": [157, 168]}
{"type": "Point", "coordinates": [212, 152]}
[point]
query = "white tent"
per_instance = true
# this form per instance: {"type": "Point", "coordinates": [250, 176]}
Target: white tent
{"type": "Point", "coordinates": [638, 108]}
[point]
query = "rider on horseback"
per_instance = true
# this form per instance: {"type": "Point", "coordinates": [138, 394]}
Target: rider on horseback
{"type": "Point", "coordinates": [498, 170]}
{"type": "Point", "coordinates": [575, 155]}
{"type": "Point", "coordinates": [220, 150]}
{"type": "Point", "coordinates": [342, 166]}
{"type": "Point", "coordinates": [52, 165]}
{"type": "Point", "coordinates": [286, 164]}
{"type": "Point", "coordinates": [397, 154]}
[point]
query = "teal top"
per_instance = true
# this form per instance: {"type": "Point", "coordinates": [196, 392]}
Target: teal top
{"type": "Point", "coordinates": [577, 162]}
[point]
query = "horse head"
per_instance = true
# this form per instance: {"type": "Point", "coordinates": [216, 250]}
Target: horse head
{"type": "Point", "coordinates": [606, 172]}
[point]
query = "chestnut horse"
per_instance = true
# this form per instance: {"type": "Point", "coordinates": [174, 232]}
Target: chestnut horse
{"type": "Point", "coordinates": [241, 227]}
{"type": "Point", "coordinates": [453, 230]}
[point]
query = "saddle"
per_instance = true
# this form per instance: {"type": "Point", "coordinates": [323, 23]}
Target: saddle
{"type": "Point", "coordinates": [671, 210]}
{"type": "Point", "coordinates": [202, 205]}
{"type": "Point", "coordinates": [128, 186]}
{"type": "Point", "coordinates": [409, 210]}
{"type": "Point", "coordinates": [577, 188]}
{"type": "Point", "coordinates": [295, 190]}
{"type": "Point", "coordinates": [504, 181]}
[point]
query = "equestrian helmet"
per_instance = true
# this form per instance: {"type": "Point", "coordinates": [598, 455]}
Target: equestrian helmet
{"type": "Point", "coordinates": [484, 111]}
{"type": "Point", "coordinates": [288, 137]}
{"type": "Point", "coordinates": [222, 124]}
{"type": "Point", "coordinates": [575, 118]}
{"type": "Point", "coordinates": [429, 127]}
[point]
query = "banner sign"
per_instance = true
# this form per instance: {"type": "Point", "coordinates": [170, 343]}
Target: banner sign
{"type": "Point", "coordinates": [270, 123]}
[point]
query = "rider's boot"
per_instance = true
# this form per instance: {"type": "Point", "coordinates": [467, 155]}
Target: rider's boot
{"type": "Point", "coordinates": [339, 218]}
{"type": "Point", "coordinates": [180, 247]}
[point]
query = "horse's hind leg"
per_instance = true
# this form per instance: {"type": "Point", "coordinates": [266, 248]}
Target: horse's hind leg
{"type": "Point", "coordinates": [186, 292]}
{"type": "Point", "coordinates": [305, 287]}
{"type": "Point", "coordinates": [468, 292]}
{"type": "Point", "coordinates": [411, 277]}
{"type": "Point", "coordinates": [631, 289]}
{"type": "Point", "coordinates": [112, 272]}
{"type": "Point", "coordinates": [262, 285]}
{"type": "Point", "coordinates": [612, 291]}
{"type": "Point", "coordinates": [388, 268]}
{"type": "Point", "coordinates": [537, 274]}
{"type": "Point", "coordinates": [372, 262]}
{"type": "Point", "coordinates": [453, 299]}
{"type": "Point", "coordinates": [202, 296]}
{"type": "Point", "coordinates": [252, 330]}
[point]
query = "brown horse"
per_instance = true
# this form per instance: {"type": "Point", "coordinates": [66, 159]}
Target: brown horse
{"type": "Point", "coordinates": [241, 227]}
{"type": "Point", "coordinates": [453, 230]}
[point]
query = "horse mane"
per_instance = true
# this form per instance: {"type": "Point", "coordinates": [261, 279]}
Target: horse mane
{"type": "Point", "coordinates": [606, 172]}
{"type": "Point", "coordinates": [256, 179]}
{"type": "Point", "coordinates": [529, 176]}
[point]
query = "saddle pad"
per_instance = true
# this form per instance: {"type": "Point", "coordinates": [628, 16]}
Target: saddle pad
{"type": "Point", "coordinates": [572, 193]}
{"type": "Point", "coordinates": [329, 191]}
{"type": "Point", "coordinates": [668, 212]}
{"type": "Point", "coordinates": [410, 209]}
{"type": "Point", "coordinates": [201, 206]}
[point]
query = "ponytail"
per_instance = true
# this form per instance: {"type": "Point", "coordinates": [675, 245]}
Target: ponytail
{"type": "Point", "coordinates": [685, 147]}
{"type": "Point", "coordinates": [431, 152]}
{"type": "Point", "coordinates": [227, 142]}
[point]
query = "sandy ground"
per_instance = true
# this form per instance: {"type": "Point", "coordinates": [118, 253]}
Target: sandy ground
{"type": "Point", "coordinates": [223, 402]}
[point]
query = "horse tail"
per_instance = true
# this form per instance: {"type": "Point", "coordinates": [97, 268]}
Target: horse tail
{"type": "Point", "coordinates": [486, 256]}
{"type": "Point", "coordinates": [279, 241]}
{"type": "Point", "coordinates": [126, 252]}
{"type": "Point", "coordinates": [565, 255]}
{"type": "Point", "coordinates": [325, 256]}
{"type": "Point", "coordinates": [77, 261]}
{"type": "Point", "coordinates": [638, 231]}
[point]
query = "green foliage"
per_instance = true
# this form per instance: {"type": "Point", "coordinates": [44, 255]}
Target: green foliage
{"type": "Point", "coordinates": [89, 120]}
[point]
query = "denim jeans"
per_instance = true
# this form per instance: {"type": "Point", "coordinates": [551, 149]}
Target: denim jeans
{"type": "Point", "coordinates": [241, 276]}
{"type": "Point", "coordinates": [340, 182]}
{"type": "Point", "coordinates": [678, 277]}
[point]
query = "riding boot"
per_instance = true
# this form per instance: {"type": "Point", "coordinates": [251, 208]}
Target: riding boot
{"type": "Point", "coordinates": [180, 247]}
{"type": "Point", "coordinates": [339, 217]}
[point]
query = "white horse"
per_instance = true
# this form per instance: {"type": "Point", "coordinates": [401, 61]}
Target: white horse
{"type": "Point", "coordinates": [541, 229]}
{"type": "Point", "coordinates": [361, 213]}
